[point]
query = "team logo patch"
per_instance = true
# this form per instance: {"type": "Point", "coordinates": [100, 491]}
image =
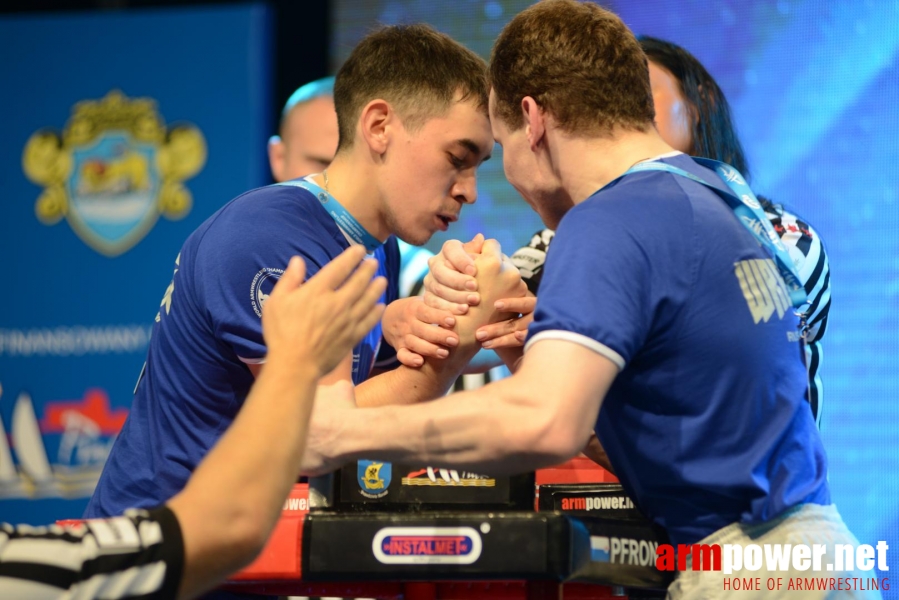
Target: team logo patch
{"type": "Point", "coordinates": [262, 286]}
{"type": "Point", "coordinates": [114, 169]}
{"type": "Point", "coordinates": [427, 546]}
{"type": "Point", "coordinates": [599, 548]}
{"type": "Point", "coordinates": [374, 478]}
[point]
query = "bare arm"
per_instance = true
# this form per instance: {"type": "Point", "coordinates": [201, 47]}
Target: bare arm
{"type": "Point", "coordinates": [595, 452]}
{"type": "Point", "coordinates": [540, 416]}
{"type": "Point", "coordinates": [497, 278]}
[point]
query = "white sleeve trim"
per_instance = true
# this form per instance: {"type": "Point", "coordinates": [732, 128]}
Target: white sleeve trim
{"type": "Point", "coordinates": [577, 338]}
{"type": "Point", "coordinates": [252, 361]}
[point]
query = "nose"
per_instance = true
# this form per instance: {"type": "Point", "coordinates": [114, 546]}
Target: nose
{"type": "Point", "coordinates": [465, 188]}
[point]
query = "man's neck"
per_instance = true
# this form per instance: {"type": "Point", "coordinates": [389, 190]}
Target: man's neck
{"type": "Point", "coordinates": [588, 164]}
{"type": "Point", "coordinates": [350, 184]}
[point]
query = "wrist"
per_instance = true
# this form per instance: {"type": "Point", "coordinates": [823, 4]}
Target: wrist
{"type": "Point", "coordinates": [293, 364]}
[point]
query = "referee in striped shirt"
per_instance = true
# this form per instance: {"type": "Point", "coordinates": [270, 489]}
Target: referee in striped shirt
{"type": "Point", "coordinates": [223, 517]}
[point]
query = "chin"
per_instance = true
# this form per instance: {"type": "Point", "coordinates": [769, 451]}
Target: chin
{"type": "Point", "coordinates": [415, 238]}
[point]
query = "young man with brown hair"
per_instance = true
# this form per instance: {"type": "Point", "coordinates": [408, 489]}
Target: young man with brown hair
{"type": "Point", "coordinates": [653, 326]}
{"type": "Point", "coordinates": [411, 107]}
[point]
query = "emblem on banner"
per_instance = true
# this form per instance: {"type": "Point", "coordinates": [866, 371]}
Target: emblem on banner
{"type": "Point", "coordinates": [374, 478]}
{"type": "Point", "coordinates": [113, 171]}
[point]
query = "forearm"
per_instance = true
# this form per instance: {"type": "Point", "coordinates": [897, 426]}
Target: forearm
{"type": "Point", "coordinates": [511, 357]}
{"type": "Point", "coordinates": [234, 498]}
{"type": "Point", "coordinates": [406, 385]}
{"type": "Point", "coordinates": [495, 430]}
{"type": "Point", "coordinates": [595, 452]}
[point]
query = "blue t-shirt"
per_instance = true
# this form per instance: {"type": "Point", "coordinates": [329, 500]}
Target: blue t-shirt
{"type": "Point", "coordinates": [706, 423]}
{"type": "Point", "coordinates": [208, 329]}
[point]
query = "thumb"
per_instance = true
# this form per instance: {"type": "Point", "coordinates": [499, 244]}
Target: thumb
{"type": "Point", "coordinates": [492, 248]}
{"type": "Point", "coordinates": [474, 246]}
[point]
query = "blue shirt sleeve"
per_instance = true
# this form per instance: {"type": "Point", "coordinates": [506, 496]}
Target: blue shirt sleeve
{"type": "Point", "coordinates": [242, 256]}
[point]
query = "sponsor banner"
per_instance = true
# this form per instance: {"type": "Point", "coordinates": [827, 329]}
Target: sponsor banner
{"type": "Point", "coordinates": [427, 546]}
{"type": "Point", "coordinates": [378, 546]}
{"type": "Point", "coordinates": [622, 551]}
{"type": "Point", "coordinates": [382, 485]}
{"type": "Point", "coordinates": [596, 499]}
{"type": "Point", "coordinates": [109, 160]}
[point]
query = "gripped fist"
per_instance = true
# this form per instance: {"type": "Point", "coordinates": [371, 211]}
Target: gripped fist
{"type": "Point", "coordinates": [497, 279]}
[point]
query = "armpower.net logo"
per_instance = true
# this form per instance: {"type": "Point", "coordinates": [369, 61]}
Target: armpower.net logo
{"type": "Point", "coordinates": [758, 566]}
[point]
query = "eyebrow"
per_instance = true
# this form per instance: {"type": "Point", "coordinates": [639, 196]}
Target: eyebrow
{"type": "Point", "coordinates": [472, 147]}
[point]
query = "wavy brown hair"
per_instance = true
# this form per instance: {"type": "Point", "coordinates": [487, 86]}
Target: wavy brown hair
{"type": "Point", "coordinates": [578, 61]}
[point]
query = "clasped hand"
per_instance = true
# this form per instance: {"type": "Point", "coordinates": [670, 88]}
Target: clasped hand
{"type": "Point", "coordinates": [473, 295]}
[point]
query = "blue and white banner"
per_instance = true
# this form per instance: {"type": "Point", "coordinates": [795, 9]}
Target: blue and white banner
{"type": "Point", "coordinates": [122, 132]}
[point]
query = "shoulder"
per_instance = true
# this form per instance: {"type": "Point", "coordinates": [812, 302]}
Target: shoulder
{"type": "Point", "coordinates": [266, 208]}
{"type": "Point", "coordinates": [265, 221]}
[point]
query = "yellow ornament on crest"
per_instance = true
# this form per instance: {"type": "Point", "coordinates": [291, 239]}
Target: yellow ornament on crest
{"type": "Point", "coordinates": [114, 169]}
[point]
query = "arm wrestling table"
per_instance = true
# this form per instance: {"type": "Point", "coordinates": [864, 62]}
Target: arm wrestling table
{"type": "Point", "coordinates": [580, 537]}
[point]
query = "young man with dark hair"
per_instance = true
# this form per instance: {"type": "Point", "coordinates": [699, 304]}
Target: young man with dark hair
{"type": "Point", "coordinates": [410, 147]}
{"type": "Point", "coordinates": [652, 326]}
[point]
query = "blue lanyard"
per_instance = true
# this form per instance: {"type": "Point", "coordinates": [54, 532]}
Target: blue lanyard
{"type": "Point", "coordinates": [748, 210]}
{"type": "Point", "coordinates": [344, 220]}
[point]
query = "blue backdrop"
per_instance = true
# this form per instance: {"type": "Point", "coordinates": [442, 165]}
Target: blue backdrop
{"type": "Point", "coordinates": [98, 198]}
{"type": "Point", "coordinates": [814, 85]}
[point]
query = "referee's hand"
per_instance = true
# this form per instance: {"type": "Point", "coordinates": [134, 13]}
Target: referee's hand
{"type": "Point", "coordinates": [318, 322]}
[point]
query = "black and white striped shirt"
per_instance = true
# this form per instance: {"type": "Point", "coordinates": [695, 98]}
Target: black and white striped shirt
{"type": "Point", "coordinates": [805, 248]}
{"type": "Point", "coordinates": [139, 556]}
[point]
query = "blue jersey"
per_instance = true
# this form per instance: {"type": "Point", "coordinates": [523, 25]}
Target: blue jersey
{"type": "Point", "coordinates": [208, 329]}
{"type": "Point", "coordinates": [706, 423]}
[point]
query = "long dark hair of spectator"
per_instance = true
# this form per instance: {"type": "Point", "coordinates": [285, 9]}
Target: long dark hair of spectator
{"type": "Point", "coordinates": [713, 132]}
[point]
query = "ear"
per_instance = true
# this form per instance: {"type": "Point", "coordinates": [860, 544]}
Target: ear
{"type": "Point", "coordinates": [375, 122]}
{"type": "Point", "coordinates": [534, 121]}
{"type": "Point", "coordinates": [276, 153]}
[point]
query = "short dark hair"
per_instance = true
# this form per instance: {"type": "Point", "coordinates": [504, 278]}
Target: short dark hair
{"type": "Point", "coordinates": [578, 61]}
{"type": "Point", "coordinates": [419, 70]}
{"type": "Point", "coordinates": [712, 129]}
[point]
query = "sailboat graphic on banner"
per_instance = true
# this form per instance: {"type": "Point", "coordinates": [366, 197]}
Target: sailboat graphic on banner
{"type": "Point", "coordinates": [8, 474]}
{"type": "Point", "coordinates": [25, 468]}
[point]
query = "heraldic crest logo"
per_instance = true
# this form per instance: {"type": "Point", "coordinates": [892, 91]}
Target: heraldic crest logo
{"type": "Point", "coordinates": [113, 171]}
